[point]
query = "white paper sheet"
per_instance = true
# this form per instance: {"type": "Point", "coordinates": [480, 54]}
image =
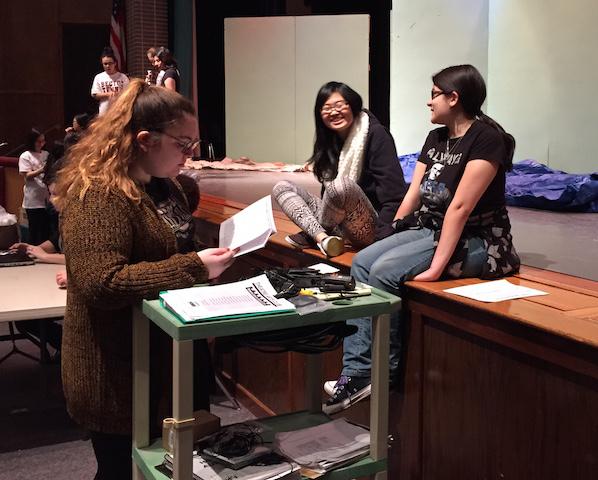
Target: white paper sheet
{"type": "Point", "coordinates": [324, 268]}
{"type": "Point", "coordinates": [249, 229]}
{"type": "Point", "coordinates": [495, 291]}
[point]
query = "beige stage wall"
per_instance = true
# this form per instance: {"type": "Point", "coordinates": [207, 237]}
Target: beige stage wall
{"type": "Point", "coordinates": [274, 67]}
{"type": "Point", "coordinates": [539, 60]}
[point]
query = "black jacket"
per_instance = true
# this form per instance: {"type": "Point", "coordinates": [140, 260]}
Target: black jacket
{"type": "Point", "coordinates": [382, 176]}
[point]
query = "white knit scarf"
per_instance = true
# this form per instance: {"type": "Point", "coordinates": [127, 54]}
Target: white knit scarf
{"type": "Point", "coordinates": [350, 160]}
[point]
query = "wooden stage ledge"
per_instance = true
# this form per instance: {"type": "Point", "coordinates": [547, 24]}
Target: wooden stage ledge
{"type": "Point", "coordinates": [570, 309]}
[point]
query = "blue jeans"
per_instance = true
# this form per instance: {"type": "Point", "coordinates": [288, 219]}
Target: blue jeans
{"type": "Point", "coordinates": [386, 265]}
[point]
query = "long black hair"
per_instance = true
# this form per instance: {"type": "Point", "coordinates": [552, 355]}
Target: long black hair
{"type": "Point", "coordinates": [469, 84]}
{"type": "Point", "coordinates": [328, 145]}
{"type": "Point", "coordinates": [83, 120]}
{"type": "Point", "coordinates": [166, 57]}
{"type": "Point", "coordinates": [31, 138]}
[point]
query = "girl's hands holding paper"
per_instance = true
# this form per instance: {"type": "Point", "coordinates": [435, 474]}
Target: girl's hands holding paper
{"type": "Point", "coordinates": [217, 260]}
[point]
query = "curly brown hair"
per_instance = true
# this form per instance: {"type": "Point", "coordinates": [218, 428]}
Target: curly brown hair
{"type": "Point", "coordinates": [103, 156]}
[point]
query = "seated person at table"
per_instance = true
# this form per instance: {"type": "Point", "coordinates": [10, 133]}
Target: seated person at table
{"type": "Point", "coordinates": [118, 252]}
{"type": "Point", "coordinates": [356, 162]}
{"type": "Point", "coordinates": [452, 222]}
{"type": "Point", "coordinates": [48, 251]}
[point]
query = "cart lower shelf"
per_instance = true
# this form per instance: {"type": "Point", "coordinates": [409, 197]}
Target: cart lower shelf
{"type": "Point", "coordinates": [149, 457]}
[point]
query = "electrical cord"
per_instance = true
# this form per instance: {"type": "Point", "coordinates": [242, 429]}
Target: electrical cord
{"type": "Point", "coordinates": [309, 339]}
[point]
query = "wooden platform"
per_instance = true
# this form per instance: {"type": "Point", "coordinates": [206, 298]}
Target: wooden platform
{"type": "Point", "coordinates": [506, 390]}
{"type": "Point", "coordinates": [570, 310]}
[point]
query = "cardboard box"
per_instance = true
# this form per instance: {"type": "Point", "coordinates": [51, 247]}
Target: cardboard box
{"type": "Point", "coordinates": [204, 423]}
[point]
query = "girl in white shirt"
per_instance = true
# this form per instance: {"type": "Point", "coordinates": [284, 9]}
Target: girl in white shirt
{"type": "Point", "coordinates": [108, 84]}
{"type": "Point", "coordinates": [35, 193]}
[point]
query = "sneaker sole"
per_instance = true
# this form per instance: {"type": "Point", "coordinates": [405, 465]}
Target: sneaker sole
{"type": "Point", "coordinates": [329, 386]}
{"type": "Point", "coordinates": [298, 246]}
{"type": "Point", "coordinates": [337, 407]}
{"type": "Point", "coordinates": [334, 248]}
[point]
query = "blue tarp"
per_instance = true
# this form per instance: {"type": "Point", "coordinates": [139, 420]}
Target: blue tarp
{"type": "Point", "coordinates": [531, 184]}
{"type": "Point", "coordinates": [408, 165]}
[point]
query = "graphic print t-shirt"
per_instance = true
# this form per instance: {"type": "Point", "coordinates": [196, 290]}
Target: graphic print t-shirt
{"type": "Point", "coordinates": [173, 209]}
{"type": "Point", "coordinates": [489, 219]}
{"type": "Point", "coordinates": [104, 83]}
{"type": "Point", "coordinates": [445, 166]}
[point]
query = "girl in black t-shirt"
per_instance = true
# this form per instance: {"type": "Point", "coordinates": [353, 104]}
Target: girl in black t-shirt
{"type": "Point", "coordinates": [452, 222]}
{"type": "Point", "coordinates": [170, 78]}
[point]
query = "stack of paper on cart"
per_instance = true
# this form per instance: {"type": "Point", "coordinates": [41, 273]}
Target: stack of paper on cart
{"type": "Point", "coordinates": [270, 467]}
{"type": "Point", "coordinates": [324, 447]}
{"type": "Point", "coordinates": [254, 296]}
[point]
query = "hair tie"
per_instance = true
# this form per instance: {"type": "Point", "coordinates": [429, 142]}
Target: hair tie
{"type": "Point", "coordinates": [178, 424]}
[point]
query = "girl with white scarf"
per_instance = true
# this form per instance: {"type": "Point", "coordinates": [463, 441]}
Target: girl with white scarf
{"type": "Point", "coordinates": [356, 162]}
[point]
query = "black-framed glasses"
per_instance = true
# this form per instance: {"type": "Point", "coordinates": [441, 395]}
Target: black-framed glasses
{"type": "Point", "coordinates": [436, 93]}
{"type": "Point", "coordinates": [337, 106]}
{"type": "Point", "coordinates": [186, 147]}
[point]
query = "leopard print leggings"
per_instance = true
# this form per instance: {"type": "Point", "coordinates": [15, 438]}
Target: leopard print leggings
{"type": "Point", "coordinates": [343, 210]}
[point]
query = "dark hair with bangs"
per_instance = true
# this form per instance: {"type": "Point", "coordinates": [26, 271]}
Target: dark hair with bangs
{"type": "Point", "coordinates": [328, 144]}
{"type": "Point", "coordinates": [166, 57]}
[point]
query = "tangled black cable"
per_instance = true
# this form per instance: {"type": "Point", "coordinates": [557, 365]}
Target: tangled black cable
{"type": "Point", "coordinates": [236, 440]}
{"type": "Point", "coordinates": [307, 339]}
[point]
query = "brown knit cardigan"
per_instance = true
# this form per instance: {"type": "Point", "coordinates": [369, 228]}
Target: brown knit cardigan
{"type": "Point", "coordinates": [117, 253]}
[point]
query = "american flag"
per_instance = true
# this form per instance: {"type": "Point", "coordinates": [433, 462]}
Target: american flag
{"type": "Point", "coordinates": [117, 34]}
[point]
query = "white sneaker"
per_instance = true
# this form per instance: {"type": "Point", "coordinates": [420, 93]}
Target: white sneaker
{"type": "Point", "coordinates": [330, 387]}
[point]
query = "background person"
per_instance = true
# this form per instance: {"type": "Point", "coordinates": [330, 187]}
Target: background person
{"type": "Point", "coordinates": [118, 252]}
{"type": "Point", "coordinates": [108, 84]}
{"type": "Point", "coordinates": [80, 123]}
{"type": "Point", "coordinates": [151, 75]}
{"type": "Point", "coordinates": [356, 162]}
{"type": "Point", "coordinates": [78, 127]}
{"type": "Point", "coordinates": [165, 62]}
{"type": "Point", "coordinates": [35, 194]}
{"type": "Point", "coordinates": [453, 220]}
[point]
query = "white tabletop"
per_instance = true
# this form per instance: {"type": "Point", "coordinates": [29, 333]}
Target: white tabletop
{"type": "Point", "coordinates": [31, 292]}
